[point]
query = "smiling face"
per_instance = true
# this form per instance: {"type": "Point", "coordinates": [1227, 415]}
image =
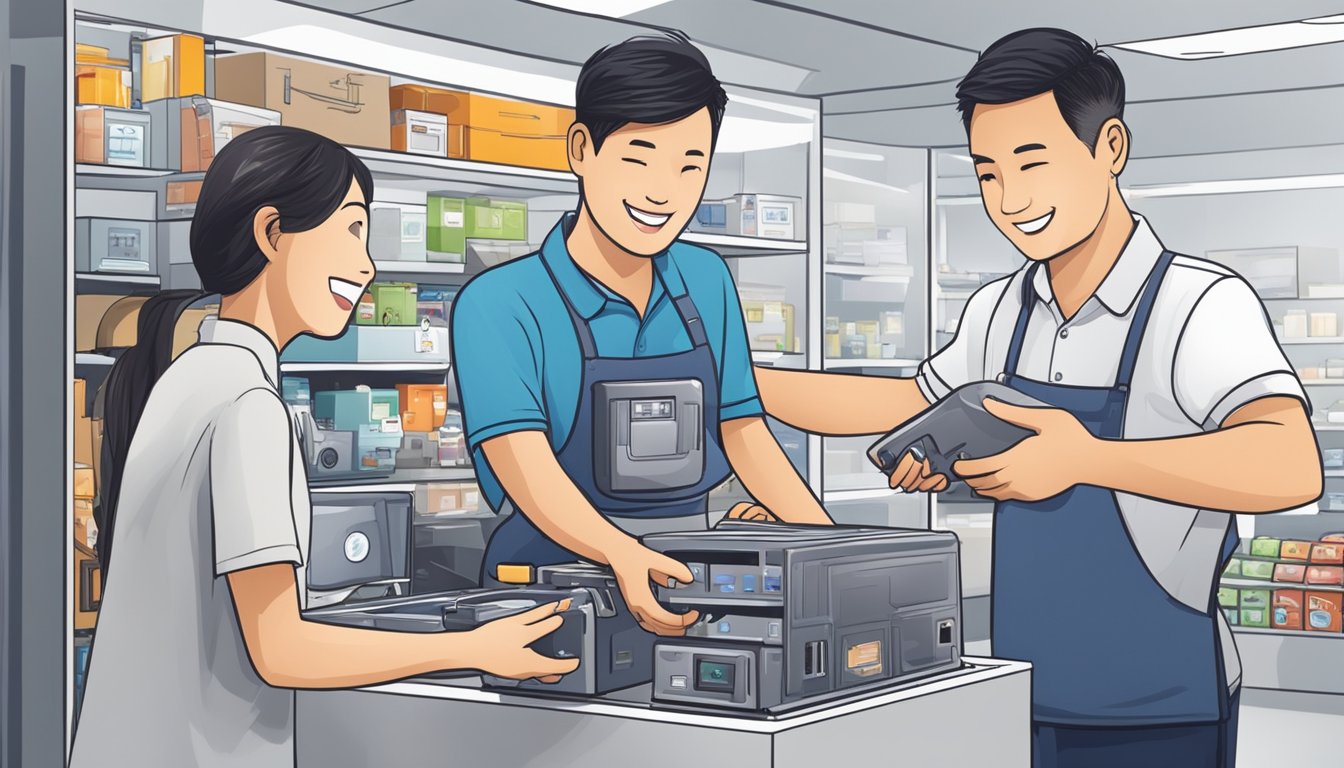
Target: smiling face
{"type": "Point", "coordinates": [646, 182]}
{"type": "Point", "coordinates": [322, 272]}
{"type": "Point", "coordinates": [1041, 186]}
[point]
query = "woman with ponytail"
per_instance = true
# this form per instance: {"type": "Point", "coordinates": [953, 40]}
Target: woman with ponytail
{"type": "Point", "coordinates": [200, 641]}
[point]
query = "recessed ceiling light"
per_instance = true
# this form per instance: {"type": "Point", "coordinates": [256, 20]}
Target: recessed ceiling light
{"type": "Point", "coordinates": [845, 154]}
{"type": "Point", "coordinates": [1238, 186]}
{"type": "Point", "coordinates": [835, 175]}
{"type": "Point", "coordinates": [616, 9]}
{"type": "Point", "coordinates": [1238, 42]}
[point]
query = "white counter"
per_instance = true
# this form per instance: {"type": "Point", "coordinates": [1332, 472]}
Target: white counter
{"type": "Point", "coordinates": [450, 723]}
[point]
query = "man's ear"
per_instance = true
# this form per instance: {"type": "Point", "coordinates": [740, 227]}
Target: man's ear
{"type": "Point", "coordinates": [580, 146]}
{"type": "Point", "coordinates": [1113, 139]}
{"type": "Point", "coordinates": [266, 231]}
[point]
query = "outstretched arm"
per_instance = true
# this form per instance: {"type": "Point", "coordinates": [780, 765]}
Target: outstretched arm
{"type": "Point", "coordinates": [838, 403]}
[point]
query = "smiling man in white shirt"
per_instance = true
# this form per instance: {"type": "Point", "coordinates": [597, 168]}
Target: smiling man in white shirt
{"type": "Point", "coordinates": [1172, 407]}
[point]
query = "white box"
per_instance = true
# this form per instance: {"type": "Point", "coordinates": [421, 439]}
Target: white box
{"type": "Point", "coordinates": [420, 133]}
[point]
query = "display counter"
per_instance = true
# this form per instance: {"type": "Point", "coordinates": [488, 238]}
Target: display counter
{"type": "Point", "coordinates": [455, 723]}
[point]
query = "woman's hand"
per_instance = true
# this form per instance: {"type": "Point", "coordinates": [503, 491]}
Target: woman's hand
{"type": "Point", "coordinates": [500, 647]}
{"type": "Point", "coordinates": [746, 510]}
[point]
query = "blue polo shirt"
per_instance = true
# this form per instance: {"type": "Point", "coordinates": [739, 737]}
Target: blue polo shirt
{"type": "Point", "coordinates": [517, 359]}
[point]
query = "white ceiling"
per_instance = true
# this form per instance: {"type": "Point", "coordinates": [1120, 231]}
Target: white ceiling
{"type": "Point", "coordinates": [886, 70]}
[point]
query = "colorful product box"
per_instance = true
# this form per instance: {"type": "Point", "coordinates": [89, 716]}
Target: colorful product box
{"type": "Point", "coordinates": [1328, 553]}
{"type": "Point", "coordinates": [1233, 567]}
{"type": "Point", "coordinates": [1287, 613]}
{"type": "Point", "coordinates": [1333, 538]}
{"type": "Point", "coordinates": [1233, 617]}
{"type": "Point", "coordinates": [1290, 572]}
{"type": "Point", "coordinates": [1330, 575]}
{"type": "Point", "coordinates": [1254, 598]}
{"type": "Point", "coordinates": [393, 304]}
{"type": "Point", "coordinates": [1296, 550]}
{"type": "Point", "coordinates": [1255, 617]}
{"type": "Point", "coordinates": [446, 229]}
{"type": "Point", "coordinates": [1263, 546]}
{"type": "Point", "coordinates": [1323, 612]}
{"type": "Point", "coordinates": [1227, 597]}
{"type": "Point", "coordinates": [1257, 569]}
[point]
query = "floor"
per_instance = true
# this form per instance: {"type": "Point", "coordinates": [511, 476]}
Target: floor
{"type": "Point", "coordinates": [1277, 728]}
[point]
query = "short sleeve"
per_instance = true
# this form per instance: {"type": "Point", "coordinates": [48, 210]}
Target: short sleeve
{"type": "Point", "coordinates": [1227, 356]}
{"type": "Point", "coordinates": [251, 486]}
{"type": "Point", "coordinates": [738, 395]}
{"type": "Point", "coordinates": [962, 361]}
{"type": "Point", "coordinates": [497, 359]}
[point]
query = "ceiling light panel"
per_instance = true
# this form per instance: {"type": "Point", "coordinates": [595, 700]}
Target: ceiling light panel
{"type": "Point", "coordinates": [1238, 42]}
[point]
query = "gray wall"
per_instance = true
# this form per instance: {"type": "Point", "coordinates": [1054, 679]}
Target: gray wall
{"type": "Point", "coordinates": [33, 414]}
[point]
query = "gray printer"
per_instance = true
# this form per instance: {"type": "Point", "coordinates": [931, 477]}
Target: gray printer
{"type": "Point", "coordinates": [792, 614]}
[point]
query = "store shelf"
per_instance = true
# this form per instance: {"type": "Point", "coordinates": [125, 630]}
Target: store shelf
{"type": "Point", "coordinates": [739, 246]}
{"type": "Point", "coordinates": [402, 479]}
{"type": "Point", "coordinates": [91, 169]}
{"type": "Point", "coordinates": [466, 173]}
{"type": "Point", "coordinates": [791, 360]}
{"type": "Point", "coordinates": [97, 282]}
{"type": "Point", "coordinates": [1334, 473]}
{"type": "Point", "coordinates": [1328, 427]}
{"type": "Point", "coordinates": [1323, 382]}
{"type": "Point", "coordinates": [859, 270]}
{"type": "Point", "coordinates": [1256, 584]}
{"type": "Point", "coordinates": [418, 268]}
{"type": "Point", "coordinates": [357, 367]}
{"type": "Point", "coordinates": [1313, 340]}
{"type": "Point", "coordinates": [88, 358]}
{"type": "Point", "coordinates": [830, 497]}
{"type": "Point", "coordinates": [957, 295]}
{"type": "Point", "coordinates": [1302, 298]}
{"type": "Point", "coordinates": [1240, 630]}
{"type": "Point", "coordinates": [896, 362]}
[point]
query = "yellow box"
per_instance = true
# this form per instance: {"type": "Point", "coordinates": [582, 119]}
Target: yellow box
{"type": "Point", "coordinates": [104, 86]}
{"type": "Point", "coordinates": [494, 130]}
{"type": "Point", "coordinates": [84, 487]}
{"type": "Point", "coordinates": [172, 67]}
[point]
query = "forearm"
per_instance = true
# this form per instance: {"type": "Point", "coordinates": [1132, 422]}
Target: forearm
{"type": "Point", "coordinates": [309, 654]}
{"type": "Point", "coordinates": [537, 484]}
{"type": "Point", "coordinates": [767, 473]}
{"type": "Point", "coordinates": [1253, 467]}
{"type": "Point", "coordinates": [838, 404]}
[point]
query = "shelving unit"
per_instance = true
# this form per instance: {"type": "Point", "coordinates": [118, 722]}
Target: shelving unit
{"type": "Point", "coordinates": [364, 367]}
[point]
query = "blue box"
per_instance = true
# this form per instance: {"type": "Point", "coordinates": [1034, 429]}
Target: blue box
{"type": "Point", "coordinates": [296, 390]}
{"type": "Point", "coordinates": [349, 409]}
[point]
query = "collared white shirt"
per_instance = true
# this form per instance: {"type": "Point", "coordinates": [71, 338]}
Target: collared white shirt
{"type": "Point", "coordinates": [214, 483]}
{"type": "Point", "coordinates": [1209, 349]}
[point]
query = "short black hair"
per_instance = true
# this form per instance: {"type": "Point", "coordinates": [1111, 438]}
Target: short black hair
{"type": "Point", "coordinates": [1087, 84]}
{"type": "Point", "coordinates": [650, 79]}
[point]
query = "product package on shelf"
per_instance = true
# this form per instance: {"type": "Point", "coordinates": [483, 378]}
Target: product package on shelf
{"type": "Point", "coordinates": [420, 133]}
{"type": "Point", "coordinates": [1323, 611]}
{"type": "Point", "coordinates": [110, 136]}
{"type": "Point", "coordinates": [189, 132]}
{"type": "Point", "coordinates": [397, 232]}
{"type": "Point", "coordinates": [1287, 612]}
{"type": "Point", "coordinates": [446, 229]}
{"type": "Point", "coordinates": [102, 77]}
{"type": "Point", "coordinates": [493, 130]}
{"type": "Point", "coordinates": [172, 67]}
{"type": "Point", "coordinates": [341, 103]}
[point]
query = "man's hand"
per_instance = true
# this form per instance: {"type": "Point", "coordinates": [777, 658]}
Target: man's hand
{"type": "Point", "coordinates": [746, 510]}
{"type": "Point", "coordinates": [914, 476]}
{"type": "Point", "coordinates": [635, 567]}
{"type": "Point", "coordinates": [502, 646]}
{"type": "Point", "coordinates": [1046, 464]}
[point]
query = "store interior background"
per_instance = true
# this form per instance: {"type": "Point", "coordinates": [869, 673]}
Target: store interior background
{"type": "Point", "coordinates": [1229, 153]}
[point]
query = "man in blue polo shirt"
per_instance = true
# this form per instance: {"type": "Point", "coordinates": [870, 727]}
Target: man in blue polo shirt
{"type": "Point", "coordinates": [606, 381]}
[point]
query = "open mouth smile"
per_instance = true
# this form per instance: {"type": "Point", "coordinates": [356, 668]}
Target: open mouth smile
{"type": "Point", "coordinates": [647, 221]}
{"type": "Point", "coordinates": [1035, 225]}
{"type": "Point", "coordinates": [345, 292]}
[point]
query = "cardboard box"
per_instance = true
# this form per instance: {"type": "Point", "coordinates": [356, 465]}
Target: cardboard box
{"type": "Point", "coordinates": [1227, 597]}
{"type": "Point", "coordinates": [106, 86]}
{"type": "Point", "coordinates": [89, 311]}
{"type": "Point", "coordinates": [81, 397]}
{"type": "Point", "coordinates": [1255, 598]}
{"type": "Point", "coordinates": [1263, 546]}
{"type": "Point", "coordinates": [436, 498]}
{"type": "Point", "coordinates": [1295, 550]}
{"type": "Point", "coordinates": [1290, 572]}
{"type": "Point", "coordinates": [172, 67]}
{"type": "Point", "coordinates": [1287, 613]}
{"type": "Point", "coordinates": [1255, 617]}
{"type": "Point", "coordinates": [423, 406]}
{"type": "Point", "coordinates": [494, 130]}
{"type": "Point", "coordinates": [1322, 612]}
{"type": "Point", "coordinates": [343, 104]}
{"type": "Point", "coordinates": [1330, 575]}
{"type": "Point", "coordinates": [84, 486]}
{"type": "Point", "coordinates": [83, 438]}
{"type": "Point", "coordinates": [1257, 569]}
{"type": "Point", "coordinates": [113, 136]}
{"type": "Point", "coordinates": [419, 133]}
{"type": "Point", "coordinates": [117, 328]}
{"type": "Point", "coordinates": [1329, 553]}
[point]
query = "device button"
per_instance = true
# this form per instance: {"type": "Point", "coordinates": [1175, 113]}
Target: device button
{"type": "Point", "coordinates": [678, 681]}
{"type": "Point", "coordinates": [1064, 334]}
{"type": "Point", "coordinates": [1059, 377]}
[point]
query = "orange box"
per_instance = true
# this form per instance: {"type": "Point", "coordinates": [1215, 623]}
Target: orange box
{"type": "Point", "coordinates": [1332, 575]}
{"type": "Point", "coordinates": [1296, 550]}
{"type": "Point", "coordinates": [88, 587]}
{"type": "Point", "coordinates": [182, 193]}
{"type": "Point", "coordinates": [1290, 572]}
{"type": "Point", "coordinates": [1328, 552]}
{"type": "Point", "coordinates": [494, 130]}
{"type": "Point", "coordinates": [81, 397]}
{"type": "Point", "coordinates": [101, 85]}
{"type": "Point", "coordinates": [423, 406]}
{"type": "Point", "coordinates": [1333, 538]}
{"type": "Point", "coordinates": [84, 488]}
{"type": "Point", "coordinates": [117, 328]}
{"type": "Point", "coordinates": [172, 67]}
{"type": "Point", "coordinates": [84, 441]}
{"type": "Point", "coordinates": [1286, 611]}
{"type": "Point", "coordinates": [1323, 612]}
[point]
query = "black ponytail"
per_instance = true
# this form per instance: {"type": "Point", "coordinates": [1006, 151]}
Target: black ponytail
{"type": "Point", "coordinates": [301, 174]}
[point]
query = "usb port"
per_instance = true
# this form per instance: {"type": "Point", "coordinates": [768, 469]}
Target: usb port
{"type": "Point", "coordinates": [814, 659]}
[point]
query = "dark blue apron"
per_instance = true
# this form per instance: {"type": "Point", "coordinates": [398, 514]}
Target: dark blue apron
{"type": "Point", "coordinates": [518, 541]}
{"type": "Point", "coordinates": [1071, 594]}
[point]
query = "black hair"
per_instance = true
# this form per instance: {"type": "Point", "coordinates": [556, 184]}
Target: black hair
{"type": "Point", "coordinates": [305, 177]}
{"type": "Point", "coordinates": [1087, 84]}
{"type": "Point", "coordinates": [649, 79]}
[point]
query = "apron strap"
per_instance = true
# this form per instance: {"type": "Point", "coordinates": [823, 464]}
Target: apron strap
{"type": "Point", "coordinates": [690, 317]}
{"type": "Point", "coordinates": [1023, 315]}
{"type": "Point", "coordinates": [1142, 314]}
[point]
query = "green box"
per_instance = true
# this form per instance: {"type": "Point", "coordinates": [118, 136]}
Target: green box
{"type": "Point", "coordinates": [1263, 546]}
{"type": "Point", "coordinates": [1227, 597]}
{"type": "Point", "coordinates": [344, 409]}
{"type": "Point", "coordinates": [386, 404]}
{"type": "Point", "coordinates": [1233, 617]}
{"type": "Point", "coordinates": [1257, 569]}
{"type": "Point", "coordinates": [1255, 617]}
{"type": "Point", "coordinates": [489, 219]}
{"type": "Point", "coordinates": [445, 229]}
{"type": "Point", "coordinates": [1233, 567]}
{"type": "Point", "coordinates": [1254, 598]}
{"type": "Point", "coordinates": [393, 304]}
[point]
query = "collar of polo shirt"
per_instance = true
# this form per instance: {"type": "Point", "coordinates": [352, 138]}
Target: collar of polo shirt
{"type": "Point", "coordinates": [586, 294]}
{"type": "Point", "coordinates": [219, 331]}
{"type": "Point", "coordinates": [1125, 281]}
